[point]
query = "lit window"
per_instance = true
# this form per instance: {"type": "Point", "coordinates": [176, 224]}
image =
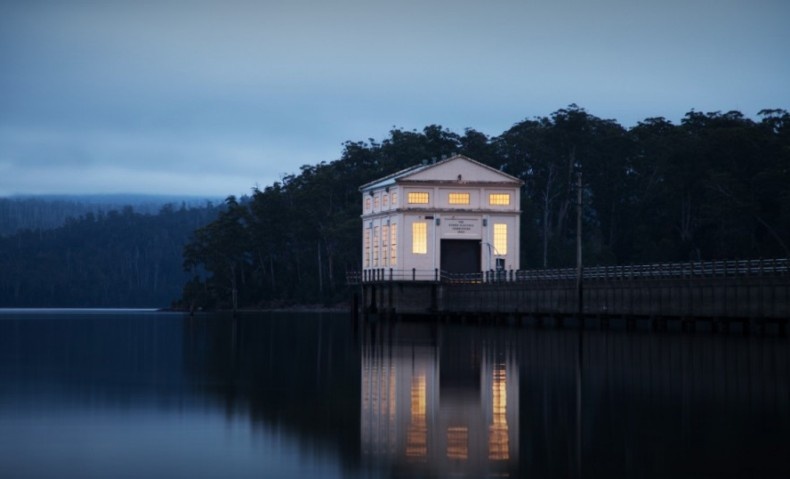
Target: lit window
{"type": "Point", "coordinates": [384, 200]}
{"type": "Point", "coordinates": [385, 240]}
{"type": "Point", "coordinates": [394, 244]}
{"type": "Point", "coordinates": [367, 203]}
{"type": "Point", "coordinates": [366, 256]}
{"type": "Point", "coordinates": [459, 198]}
{"type": "Point", "coordinates": [419, 238]}
{"type": "Point", "coordinates": [376, 202]}
{"type": "Point", "coordinates": [500, 239]}
{"type": "Point", "coordinates": [418, 198]}
{"type": "Point", "coordinates": [376, 246]}
{"type": "Point", "coordinates": [501, 199]}
{"type": "Point", "coordinates": [394, 198]}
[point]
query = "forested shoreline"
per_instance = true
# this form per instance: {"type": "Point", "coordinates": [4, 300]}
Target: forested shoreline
{"type": "Point", "coordinates": [118, 258]}
{"type": "Point", "coordinates": [715, 185]}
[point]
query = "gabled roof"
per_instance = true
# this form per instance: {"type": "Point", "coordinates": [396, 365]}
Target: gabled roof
{"type": "Point", "coordinates": [421, 173]}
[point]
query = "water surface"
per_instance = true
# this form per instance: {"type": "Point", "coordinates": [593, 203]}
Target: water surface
{"type": "Point", "coordinates": [145, 394]}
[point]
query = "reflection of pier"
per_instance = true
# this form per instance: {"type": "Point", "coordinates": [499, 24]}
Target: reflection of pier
{"type": "Point", "coordinates": [448, 410]}
{"type": "Point", "coordinates": [453, 400]}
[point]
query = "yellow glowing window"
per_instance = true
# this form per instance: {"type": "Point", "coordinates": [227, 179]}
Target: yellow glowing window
{"type": "Point", "coordinates": [419, 238]}
{"type": "Point", "coordinates": [394, 244]}
{"type": "Point", "coordinates": [394, 198]}
{"type": "Point", "coordinates": [418, 198]}
{"type": "Point", "coordinates": [384, 200]}
{"type": "Point", "coordinates": [367, 203]}
{"type": "Point", "coordinates": [376, 202]}
{"type": "Point", "coordinates": [500, 239]}
{"type": "Point", "coordinates": [459, 198]}
{"type": "Point", "coordinates": [500, 199]}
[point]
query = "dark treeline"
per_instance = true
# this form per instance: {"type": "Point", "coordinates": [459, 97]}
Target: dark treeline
{"type": "Point", "coordinates": [717, 185]}
{"type": "Point", "coordinates": [114, 259]}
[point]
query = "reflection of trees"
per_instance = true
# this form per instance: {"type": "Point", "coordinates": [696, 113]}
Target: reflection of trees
{"type": "Point", "coordinates": [296, 372]}
{"type": "Point", "coordinates": [446, 400]}
{"type": "Point", "coordinates": [504, 401]}
{"type": "Point", "coordinates": [653, 405]}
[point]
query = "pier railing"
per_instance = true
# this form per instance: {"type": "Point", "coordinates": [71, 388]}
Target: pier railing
{"type": "Point", "coordinates": [695, 269]}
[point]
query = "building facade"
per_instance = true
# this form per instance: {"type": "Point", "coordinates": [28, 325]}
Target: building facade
{"type": "Point", "coordinates": [453, 217]}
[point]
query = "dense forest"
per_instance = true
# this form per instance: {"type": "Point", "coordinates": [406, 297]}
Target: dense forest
{"type": "Point", "coordinates": [120, 258]}
{"type": "Point", "coordinates": [715, 186]}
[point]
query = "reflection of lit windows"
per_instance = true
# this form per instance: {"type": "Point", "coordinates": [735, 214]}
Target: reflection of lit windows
{"type": "Point", "coordinates": [457, 443]}
{"type": "Point", "coordinates": [375, 246]}
{"type": "Point", "coordinates": [498, 440]}
{"type": "Point", "coordinates": [385, 241]}
{"type": "Point", "coordinates": [459, 198]}
{"type": "Point", "coordinates": [500, 239]}
{"type": "Point", "coordinates": [499, 199]}
{"type": "Point", "coordinates": [418, 198]}
{"type": "Point", "coordinates": [419, 238]}
{"type": "Point", "coordinates": [394, 244]}
{"type": "Point", "coordinates": [417, 434]}
{"type": "Point", "coordinates": [366, 241]}
{"type": "Point", "coordinates": [394, 198]}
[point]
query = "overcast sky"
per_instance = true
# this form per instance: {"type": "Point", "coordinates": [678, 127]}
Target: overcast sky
{"type": "Point", "coordinates": [212, 98]}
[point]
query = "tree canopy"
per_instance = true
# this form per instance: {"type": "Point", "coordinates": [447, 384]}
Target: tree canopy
{"type": "Point", "coordinates": [717, 185]}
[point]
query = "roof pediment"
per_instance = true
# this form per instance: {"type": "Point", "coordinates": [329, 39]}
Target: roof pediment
{"type": "Point", "coordinates": [453, 169]}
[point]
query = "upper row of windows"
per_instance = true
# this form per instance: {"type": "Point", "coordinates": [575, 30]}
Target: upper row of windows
{"type": "Point", "coordinates": [421, 198]}
{"type": "Point", "coordinates": [384, 200]}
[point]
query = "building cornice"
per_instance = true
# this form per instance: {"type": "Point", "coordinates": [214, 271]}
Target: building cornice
{"type": "Point", "coordinates": [429, 211]}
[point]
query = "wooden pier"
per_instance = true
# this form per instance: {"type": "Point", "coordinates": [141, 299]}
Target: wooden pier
{"type": "Point", "coordinates": [753, 292]}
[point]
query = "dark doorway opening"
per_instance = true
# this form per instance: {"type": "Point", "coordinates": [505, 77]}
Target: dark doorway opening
{"type": "Point", "coordinates": [460, 256]}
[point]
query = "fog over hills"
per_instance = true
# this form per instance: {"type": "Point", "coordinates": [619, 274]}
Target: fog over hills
{"type": "Point", "coordinates": [19, 212]}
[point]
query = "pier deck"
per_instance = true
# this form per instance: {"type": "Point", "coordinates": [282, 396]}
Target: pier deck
{"type": "Point", "coordinates": [728, 290]}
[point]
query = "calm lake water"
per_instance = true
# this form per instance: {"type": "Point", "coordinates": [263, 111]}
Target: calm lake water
{"type": "Point", "coordinates": [98, 394]}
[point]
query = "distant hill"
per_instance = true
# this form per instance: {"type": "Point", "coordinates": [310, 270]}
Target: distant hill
{"type": "Point", "coordinates": [44, 212]}
{"type": "Point", "coordinates": [120, 258]}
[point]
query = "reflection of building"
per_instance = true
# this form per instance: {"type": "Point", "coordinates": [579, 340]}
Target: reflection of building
{"type": "Point", "coordinates": [421, 408]}
{"type": "Point", "coordinates": [456, 215]}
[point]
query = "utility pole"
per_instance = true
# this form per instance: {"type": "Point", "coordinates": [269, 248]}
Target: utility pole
{"type": "Point", "coordinates": [579, 287]}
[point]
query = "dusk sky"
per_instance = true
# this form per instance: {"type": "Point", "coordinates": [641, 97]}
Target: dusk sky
{"type": "Point", "coordinates": [213, 98]}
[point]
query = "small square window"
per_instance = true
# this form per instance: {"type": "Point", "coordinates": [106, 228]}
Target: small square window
{"type": "Point", "coordinates": [499, 199]}
{"type": "Point", "coordinates": [459, 198]}
{"type": "Point", "coordinates": [418, 198]}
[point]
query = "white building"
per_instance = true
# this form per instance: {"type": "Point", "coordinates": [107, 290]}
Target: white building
{"type": "Point", "coordinates": [454, 216]}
